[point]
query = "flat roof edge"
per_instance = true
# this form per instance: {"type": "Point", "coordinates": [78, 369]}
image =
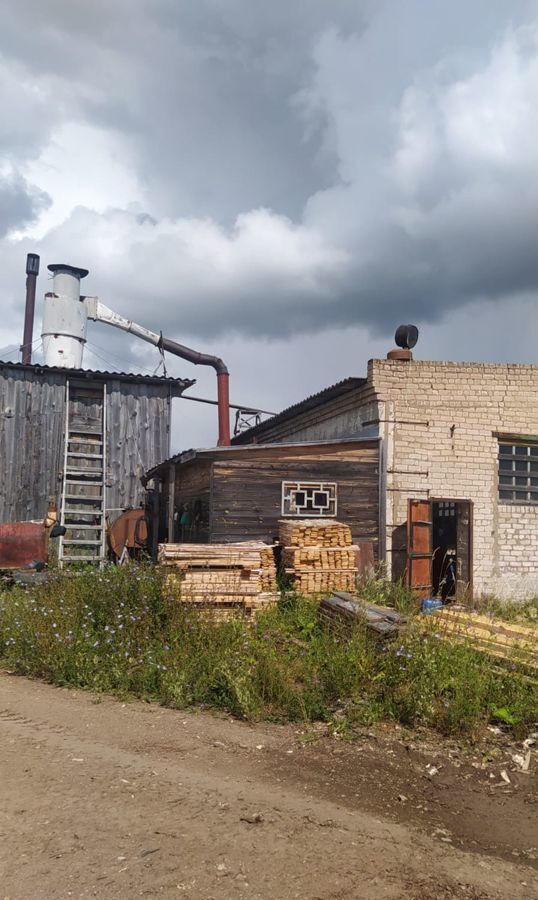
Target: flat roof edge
{"type": "Point", "coordinates": [187, 456]}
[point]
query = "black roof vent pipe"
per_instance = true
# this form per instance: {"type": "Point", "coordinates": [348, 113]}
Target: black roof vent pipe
{"type": "Point", "coordinates": [32, 271]}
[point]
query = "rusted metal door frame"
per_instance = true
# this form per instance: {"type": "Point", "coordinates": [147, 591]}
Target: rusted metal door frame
{"type": "Point", "coordinates": [414, 523]}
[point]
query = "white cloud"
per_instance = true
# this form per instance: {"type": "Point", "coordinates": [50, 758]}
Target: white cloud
{"type": "Point", "coordinates": [310, 176]}
{"type": "Point", "coordinates": [83, 166]}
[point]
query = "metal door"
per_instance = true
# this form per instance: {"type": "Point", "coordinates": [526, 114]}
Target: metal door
{"type": "Point", "coordinates": [419, 546]}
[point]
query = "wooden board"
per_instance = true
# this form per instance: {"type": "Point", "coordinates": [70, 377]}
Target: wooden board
{"type": "Point", "coordinates": [344, 608]}
{"type": "Point", "coordinates": [318, 555]}
{"type": "Point", "coordinates": [318, 533]}
{"type": "Point", "coordinates": [503, 640]}
{"type": "Point", "coordinates": [239, 575]}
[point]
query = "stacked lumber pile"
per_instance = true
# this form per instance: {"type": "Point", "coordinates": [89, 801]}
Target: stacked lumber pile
{"type": "Point", "coordinates": [230, 578]}
{"type": "Point", "coordinates": [318, 555]}
{"type": "Point", "coordinates": [268, 568]}
{"type": "Point", "coordinates": [314, 533]}
{"type": "Point", "coordinates": [508, 641]}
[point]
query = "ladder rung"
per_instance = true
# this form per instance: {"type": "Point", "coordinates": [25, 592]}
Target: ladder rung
{"type": "Point", "coordinates": [81, 558]}
{"type": "Point", "coordinates": [84, 483]}
{"type": "Point", "coordinates": [90, 473]}
{"type": "Point", "coordinates": [84, 498]}
{"type": "Point", "coordinates": [84, 543]}
{"type": "Point", "coordinates": [83, 527]}
{"type": "Point", "coordinates": [74, 430]}
{"type": "Point", "coordinates": [85, 455]}
{"type": "Point", "coordinates": [74, 513]}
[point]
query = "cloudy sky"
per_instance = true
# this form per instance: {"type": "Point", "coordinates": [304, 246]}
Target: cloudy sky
{"type": "Point", "coordinates": [281, 184]}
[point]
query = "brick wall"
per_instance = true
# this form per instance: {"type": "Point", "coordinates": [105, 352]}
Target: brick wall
{"type": "Point", "coordinates": [439, 421]}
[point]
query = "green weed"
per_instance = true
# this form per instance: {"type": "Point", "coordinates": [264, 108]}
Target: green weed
{"type": "Point", "coordinates": [117, 631]}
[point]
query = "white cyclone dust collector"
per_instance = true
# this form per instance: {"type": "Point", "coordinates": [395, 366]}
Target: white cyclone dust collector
{"type": "Point", "coordinates": [65, 321]}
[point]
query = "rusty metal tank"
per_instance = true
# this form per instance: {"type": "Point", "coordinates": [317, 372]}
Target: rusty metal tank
{"type": "Point", "coordinates": [22, 543]}
{"type": "Point", "coordinates": [130, 533]}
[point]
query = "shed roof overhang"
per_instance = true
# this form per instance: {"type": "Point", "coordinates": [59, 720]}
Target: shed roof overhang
{"type": "Point", "coordinates": [176, 385]}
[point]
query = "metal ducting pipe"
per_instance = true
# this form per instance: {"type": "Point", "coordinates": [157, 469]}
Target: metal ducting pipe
{"type": "Point", "coordinates": [223, 380]}
{"type": "Point", "coordinates": [32, 271]}
{"type": "Point", "coordinates": [101, 313]}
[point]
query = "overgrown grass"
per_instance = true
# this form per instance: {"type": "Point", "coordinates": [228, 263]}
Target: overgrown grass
{"type": "Point", "coordinates": [524, 612]}
{"type": "Point", "coordinates": [115, 631]}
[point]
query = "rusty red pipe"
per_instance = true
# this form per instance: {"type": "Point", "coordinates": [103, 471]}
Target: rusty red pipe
{"type": "Point", "coordinates": [223, 379]}
{"type": "Point", "coordinates": [223, 397]}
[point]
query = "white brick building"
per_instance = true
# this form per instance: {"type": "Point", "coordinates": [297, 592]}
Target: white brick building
{"type": "Point", "coordinates": [463, 437]}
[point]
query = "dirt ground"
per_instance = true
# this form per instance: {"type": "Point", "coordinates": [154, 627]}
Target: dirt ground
{"type": "Point", "coordinates": [119, 800]}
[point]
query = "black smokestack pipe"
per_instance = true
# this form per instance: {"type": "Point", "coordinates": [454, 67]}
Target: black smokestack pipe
{"type": "Point", "coordinates": [32, 271]}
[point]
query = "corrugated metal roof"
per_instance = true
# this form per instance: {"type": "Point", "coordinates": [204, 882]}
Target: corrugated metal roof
{"type": "Point", "coordinates": [181, 384]}
{"type": "Point", "coordinates": [329, 393]}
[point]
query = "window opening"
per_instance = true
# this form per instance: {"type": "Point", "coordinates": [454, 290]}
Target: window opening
{"type": "Point", "coordinates": [518, 472]}
{"type": "Point", "coordinates": [309, 498]}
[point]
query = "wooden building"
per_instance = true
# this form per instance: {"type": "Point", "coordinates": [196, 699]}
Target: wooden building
{"type": "Point", "coordinates": [82, 439]}
{"type": "Point", "coordinates": [231, 494]}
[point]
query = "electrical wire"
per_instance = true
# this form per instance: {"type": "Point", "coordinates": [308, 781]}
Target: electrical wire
{"type": "Point", "coordinates": [8, 351]}
{"type": "Point", "coordinates": [15, 348]}
{"type": "Point", "coordinates": [112, 359]}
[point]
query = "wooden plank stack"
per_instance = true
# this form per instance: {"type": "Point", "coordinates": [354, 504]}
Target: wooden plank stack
{"type": "Point", "coordinates": [507, 641]}
{"type": "Point", "coordinates": [318, 555]}
{"type": "Point", "coordinates": [231, 578]}
{"type": "Point", "coordinates": [314, 533]}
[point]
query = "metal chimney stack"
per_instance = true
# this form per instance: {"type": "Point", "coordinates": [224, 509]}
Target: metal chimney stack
{"type": "Point", "coordinates": [65, 318]}
{"type": "Point", "coordinates": [32, 271]}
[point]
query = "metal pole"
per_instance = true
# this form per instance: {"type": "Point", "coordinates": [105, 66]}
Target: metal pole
{"type": "Point", "coordinates": [223, 399]}
{"type": "Point", "coordinates": [32, 271]}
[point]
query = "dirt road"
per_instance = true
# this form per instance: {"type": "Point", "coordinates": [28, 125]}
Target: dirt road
{"type": "Point", "coordinates": [112, 800]}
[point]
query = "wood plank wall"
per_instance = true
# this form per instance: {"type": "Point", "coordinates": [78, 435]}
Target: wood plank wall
{"type": "Point", "coordinates": [192, 486]}
{"type": "Point", "coordinates": [32, 423]}
{"type": "Point", "coordinates": [32, 415]}
{"type": "Point", "coordinates": [240, 489]}
{"type": "Point", "coordinates": [138, 432]}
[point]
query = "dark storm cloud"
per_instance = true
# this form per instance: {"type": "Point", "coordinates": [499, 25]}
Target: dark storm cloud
{"type": "Point", "coordinates": [205, 90]}
{"type": "Point", "coordinates": [304, 165]}
{"type": "Point", "coordinates": [20, 203]}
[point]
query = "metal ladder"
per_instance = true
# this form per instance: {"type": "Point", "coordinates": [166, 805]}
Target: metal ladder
{"type": "Point", "coordinates": [82, 506]}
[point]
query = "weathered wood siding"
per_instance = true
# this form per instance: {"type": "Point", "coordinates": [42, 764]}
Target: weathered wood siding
{"type": "Point", "coordinates": [32, 421]}
{"type": "Point", "coordinates": [246, 494]}
{"type": "Point", "coordinates": [192, 487]}
{"type": "Point", "coordinates": [32, 428]}
{"type": "Point", "coordinates": [352, 413]}
{"type": "Point", "coordinates": [138, 428]}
